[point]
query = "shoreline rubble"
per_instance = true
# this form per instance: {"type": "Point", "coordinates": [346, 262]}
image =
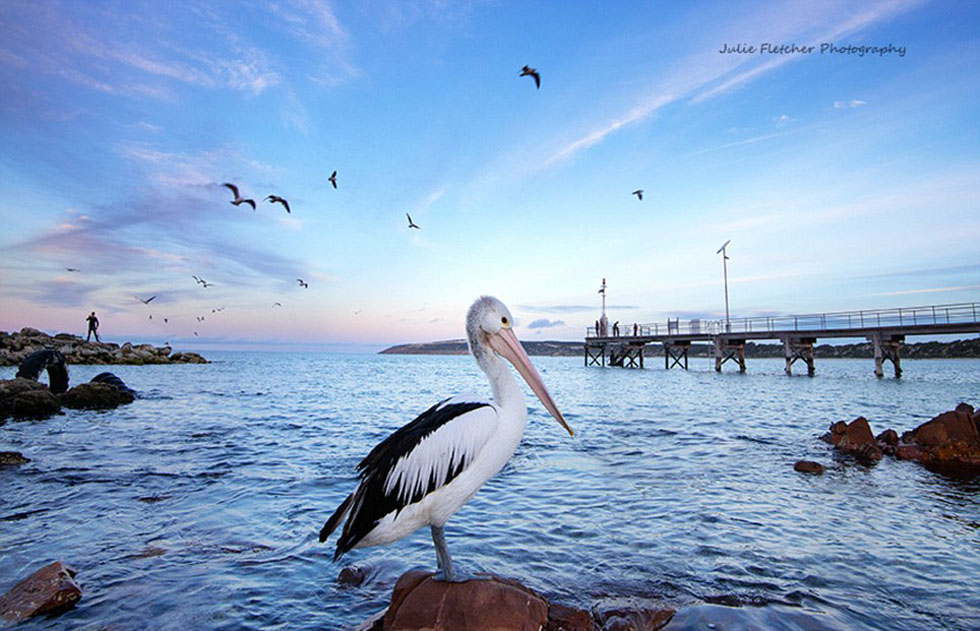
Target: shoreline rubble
{"type": "Point", "coordinates": [17, 346]}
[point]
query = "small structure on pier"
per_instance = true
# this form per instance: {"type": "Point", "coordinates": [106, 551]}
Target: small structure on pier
{"type": "Point", "coordinates": [886, 329]}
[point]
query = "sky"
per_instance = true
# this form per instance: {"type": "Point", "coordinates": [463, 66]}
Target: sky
{"type": "Point", "coordinates": [846, 176]}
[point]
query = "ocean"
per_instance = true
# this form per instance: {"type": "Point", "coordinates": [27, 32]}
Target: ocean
{"type": "Point", "coordinates": [198, 506]}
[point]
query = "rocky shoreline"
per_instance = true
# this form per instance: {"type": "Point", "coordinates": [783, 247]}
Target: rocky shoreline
{"type": "Point", "coordinates": [17, 346]}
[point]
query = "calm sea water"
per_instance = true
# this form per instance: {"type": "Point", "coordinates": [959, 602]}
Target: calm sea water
{"type": "Point", "coordinates": [197, 507]}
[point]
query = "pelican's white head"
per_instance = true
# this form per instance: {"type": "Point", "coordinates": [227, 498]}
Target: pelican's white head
{"type": "Point", "coordinates": [488, 331]}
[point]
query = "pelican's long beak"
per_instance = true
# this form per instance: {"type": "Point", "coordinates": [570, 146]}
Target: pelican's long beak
{"type": "Point", "coordinates": [505, 342]}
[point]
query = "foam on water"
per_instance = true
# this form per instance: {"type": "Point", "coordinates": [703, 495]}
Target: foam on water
{"type": "Point", "coordinates": [198, 505]}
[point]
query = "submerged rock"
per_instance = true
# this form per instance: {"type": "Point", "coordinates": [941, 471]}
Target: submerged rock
{"type": "Point", "coordinates": [420, 602]}
{"type": "Point", "coordinates": [631, 614]}
{"type": "Point", "coordinates": [50, 590]}
{"type": "Point", "coordinates": [12, 458]}
{"type": "Point", "coordinates": [96, 396]}
{"type": "Point", "coordinates": [808, 466]}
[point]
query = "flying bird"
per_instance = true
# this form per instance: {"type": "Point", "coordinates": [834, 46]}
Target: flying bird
{"type": "Point", "coordinates": [424, 472]}
{"type": "Point", "coordinates": [195, 334]}
{"type": "Point", "coordinates": [303, 283]}
{"type": "Point", "coordinates": [411, 224]}
{"type": "Point", "coordinates": [238, 198]}
{"type": "Point", "coordinates": [147, 301]}
{"type": "Point", "coordinates": [277, 199]}
{"type": "Point", "coordinates": [166, 320]}
{"type": "Point", "coordinates": [639, 194]}
{"type": "Point", "coordinates": [151, 316]}
{"type": "Point", "coordinates": [73, 269]}
{"type": "Point", "coordinates": [200, 318]}
{"type": "Point", "coordinates": [277, 304]}
{"type": "Point", "coordinates": [218, 310]}
{"type": "Point", "coordinates": [333, 179]}
{"type": "Point", "coordinates": [532, 72]}
{"type": "Point", "coordinates": [201, 281]}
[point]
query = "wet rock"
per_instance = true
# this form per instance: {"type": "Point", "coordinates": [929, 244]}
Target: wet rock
{"type": "Point", "coordinates": [188, 358]}
{"type": "Point", "coordinates": [855, 438]}
{"type": "Point", "coordinates": [35, 404]}
{"type": "Point", "coordinates": [50, 590]}
{"type": "Point", "coordinates": [12, 458]}
{"type": "Point", "coordinates": [16, 347]}
{"type": "Point", "coordinates": [353, 575]}
{"type": "Point", "coordinates": [888, 437]}
{"type": "Point", "coordinates": [10, 389]}
{"type": "Point", "coordinates": [95, 396]}
{"type": "Point", "coordinates": [631, 614]}
{"type": "Point", "coordinates": [948, 440]}
{"type": "Point", "coordinates": [808, 466]}
{"type": "Point", "coordinates": [420, 602]}
{"type": "Point", "coordinates": [564, 618]}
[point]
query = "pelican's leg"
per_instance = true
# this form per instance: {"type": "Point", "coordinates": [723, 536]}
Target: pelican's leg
{"type": "Point", "coordinates": [443, 560]}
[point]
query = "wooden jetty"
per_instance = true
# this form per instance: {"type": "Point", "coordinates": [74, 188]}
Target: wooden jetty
{"type": "Point", "coordinates": [885, 328]}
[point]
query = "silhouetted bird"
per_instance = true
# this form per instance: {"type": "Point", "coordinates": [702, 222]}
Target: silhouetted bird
{"type": "Point", "coordinates": [166, 320]}
{"type": "Point", "coordinates": [147, 301]}
{"type": "Point", "coordinates": [532, 72]}
{"type": "Point", "coordinates": [277, 304]}
{"type": "Point", "coordinates": [303, 283]}
{"type": "Point", "coordinates": [639, 194]}
{"type": "Point", "coordinates": [200, 281]}
{"type": "Point", "coordinates": [195, 333]}
{"type": "Point", "coordinates": [276, 198]}
{"type": "Point", "coordinates": [333, 179]}
{"type": "Point", "coordinates": [73, 269]}
{"type": "Point", "coordinates": [238, 198]}
{"type": "Point", "coordinates": [200, 318]}
{"type": "Point", "coordinates": [411, 224]}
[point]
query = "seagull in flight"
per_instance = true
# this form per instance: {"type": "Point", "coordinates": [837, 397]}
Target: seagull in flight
{"type": "Point", "coordinates": [276, 198]}
{"type": "Point", "coordinates": [201, 281]}
{"type": "Point", "coordinates": [532, 72]}
{"type": "Point", "coordinates": [217, 310]}
{"type": "Point", "coordinates": [238, 198]}
{"type": "Point", "coordinates": [277, 304]}
{"type": "Point", "coordinates": [200, 318]}
{"type": "Point", "coordinates": [639, 194]}
{"type": "Point", "coordinates": [165, 320]}
{"type": "Point", "coordinates": [195, 333]}
{"type": "Point", "coordinates": [411, 224]}
{"type": "Point", "coordinates": [73, 269]}
{"type": "Point", "coordinates": [147, 301]}
{"type": "Point", "coordinates": [333, 179]}
{"type": "Point", "coordinates": [303, 283]}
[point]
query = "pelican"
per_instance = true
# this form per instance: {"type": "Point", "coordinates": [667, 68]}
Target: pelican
{"type": "Point", "coordinates": [424, 472]}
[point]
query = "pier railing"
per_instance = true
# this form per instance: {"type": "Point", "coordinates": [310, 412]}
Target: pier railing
{"type": "Point", "coordinates": [960, 313]}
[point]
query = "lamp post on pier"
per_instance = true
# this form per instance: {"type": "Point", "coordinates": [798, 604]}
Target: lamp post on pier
{"type": "Point", "coordinates": [603, 322]}
{"type": "Point", "coordinates": [724, 257]}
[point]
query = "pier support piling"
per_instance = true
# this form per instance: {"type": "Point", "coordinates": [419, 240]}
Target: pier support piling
{"type": "Point", "coordinates": [887, 349]}
{"type": "Point", "coordinates": [799, 348]}
{"type": "Point", "coordinates": [729, 349]}
{"type": "Point", "coordinates": [595, 355]}
{"type": "Point", "coordinates": [675, 353]}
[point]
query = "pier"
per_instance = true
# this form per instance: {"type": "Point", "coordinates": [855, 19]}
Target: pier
{"type": "Point", "coordinates": [886, 329]}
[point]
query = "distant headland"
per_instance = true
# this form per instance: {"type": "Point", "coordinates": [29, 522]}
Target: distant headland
{"type": "Point", "coordinates": [959, 349]}
{"type": "Point", "coordinates": [16, 346]}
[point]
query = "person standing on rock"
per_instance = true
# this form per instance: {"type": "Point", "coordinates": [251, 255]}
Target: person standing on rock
{"type": "Point", "coordinates": [93, 327]}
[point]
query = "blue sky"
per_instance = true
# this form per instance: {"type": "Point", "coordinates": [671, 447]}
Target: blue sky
{"type": "Point", "coordinates": [844, 181]}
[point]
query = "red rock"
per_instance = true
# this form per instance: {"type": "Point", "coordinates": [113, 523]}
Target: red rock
{"type": "Point", "coordinates": [950, 439]}
{"type": "Point", "coordinates": [51, 589]}
{"type": "Point", "coordinates": [888, 437]}
{"type": "Point", "coordinates": [564, 618]}
{"type": "Point", "coordinates": [631, 614]}
{"type": "Point", "coordinates": [909, 452]}
{"type": "Point", "coordinates": [858, 433]}
{"type": "Point", "coordinates": [808, 466]}
{"type": "Point", "coordinates": [419, 602]}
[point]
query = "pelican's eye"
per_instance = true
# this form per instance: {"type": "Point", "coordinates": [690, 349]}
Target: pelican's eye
{"type": "Point", "coordinates": [504, 321]}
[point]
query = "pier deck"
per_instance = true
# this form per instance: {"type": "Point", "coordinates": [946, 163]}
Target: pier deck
{"type": "Point", "coordinates": [885, 328]}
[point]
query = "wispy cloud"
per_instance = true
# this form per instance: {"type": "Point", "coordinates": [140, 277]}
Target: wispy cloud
{"type": "Point", "coordinates": [843, 105]}
{"type": "Point", "coordinates": [545, 323]}
{"type": "Point", "coordinates": [929, 290]}
{"type": "Point", "coordinates": [570, 308]}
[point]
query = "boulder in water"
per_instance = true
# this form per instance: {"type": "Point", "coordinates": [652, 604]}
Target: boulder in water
{"type": "Point", "coordinates": [421, 602]}
{"type": "Point", "coordinates": [948, 440]}
{"type": "Point", "coordinates": [96, 396]}
{"type": "Point", "coordinates": [855, 438]}
{"type": "Point", "coordinates": [47, 359]}
{"type": "Point", "coordinates": [631, 614]}
{"type": "Point", "coordinates": [50, 590]}
{"type": "Point", "coordinates": [26, 398]}
{"type": "Point", "coordinates": [12, 458]}
{"type": "Point", "coordinates": [808, 466]}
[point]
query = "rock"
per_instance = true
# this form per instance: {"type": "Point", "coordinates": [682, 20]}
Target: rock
{"type": "Point", "coordinates": [855, 438]}
{"type": "Point", "coordinates": [12, 457]}
{"type": "Point", "coordinates": [808, 466]}
{"type": "Point", "coordinates": [564, 618]}
{"type": "Point", "coordinates": [353, 575]}
{"type": "Point", "coordinates": [631, 614]}
{"type": "Point", "coordinates": [950, 439]}
{"type": "Point", "coordinates": [419, 602]}
{"type": "Point", "coordinates": [16, 347]}
{"type": "Point", "coordinates": [95, 396]}
{"type": "Point", "coordinates": [188, 358]}
{"type": "Point", "coordinates": [50, 590]}
{"type": "Point", "coordinates": [35, 404]}
{"type": "Point", "coordinates": [888, 437]}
